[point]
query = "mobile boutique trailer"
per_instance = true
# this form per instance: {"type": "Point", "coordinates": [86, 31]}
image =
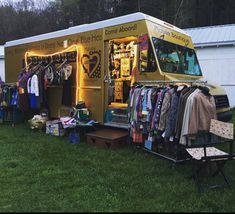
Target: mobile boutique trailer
{"type": "Point", "coordinates": [107, 57]}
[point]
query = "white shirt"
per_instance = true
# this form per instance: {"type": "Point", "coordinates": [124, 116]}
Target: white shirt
{"type": "Point", "coordinates": [33, 88]}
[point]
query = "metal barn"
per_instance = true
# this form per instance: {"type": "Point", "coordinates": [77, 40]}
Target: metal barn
{"type": "Point", "coordinates": [215, 47]}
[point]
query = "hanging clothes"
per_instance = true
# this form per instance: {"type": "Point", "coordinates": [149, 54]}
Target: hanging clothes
{"type": "Point", "coordinates": [168, 113]}
{"type": "Point", "coordinates": [33, 91]}
{"type": "Point", "coordinates": [165, 109]}
{"type": "Point", "coordinates": [22, 89]}
{"type": "Point", "coordinates": [186, 117]}
{"type": "Point", "coordinates": [135, 115]}
{"type": "Point", "coordinates": [67, 92]}
{"type": "Point", "coordinates": [67, 84]}
{"type": "Point", "coordinates": [181, 107]}
{"type": "Point", "coordinates": [203, 110]}
{"type": "Point", "coordinates": [171, 121]}
{"type": "Point", "coordinates": [157, 109]}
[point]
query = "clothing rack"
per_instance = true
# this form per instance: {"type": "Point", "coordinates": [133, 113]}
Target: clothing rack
{"type": "Point", "coordinates": [174, 160]}
{"type": "Point", "coordinates": [10, 112]}
{"type": "Point", "coordinates": [9, 84]}
{"type": "Point", "coordinates": [179, 148]}
{"type": "Point", "coordinates": [159, 82]}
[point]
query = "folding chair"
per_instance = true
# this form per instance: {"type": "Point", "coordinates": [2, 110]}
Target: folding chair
{"type": "Point", "coordinates": [204, 154]}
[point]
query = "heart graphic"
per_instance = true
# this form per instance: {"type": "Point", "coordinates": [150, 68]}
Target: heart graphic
{"type": "Point", "coordinates": [94, 63]}
{"type": "Point", "coordinates": [85, 62]}
{"type": "Point", "coordinates": [91, 64]}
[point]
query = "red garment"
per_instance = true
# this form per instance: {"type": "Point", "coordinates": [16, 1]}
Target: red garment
{"type": "Point", "coordinates": [137, 137]}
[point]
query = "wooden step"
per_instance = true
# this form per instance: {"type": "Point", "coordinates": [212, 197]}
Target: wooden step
{"type": "Point", "coordinates": [107, 138]}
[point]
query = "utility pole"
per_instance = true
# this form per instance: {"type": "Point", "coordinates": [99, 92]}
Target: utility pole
{"type": "Point", "coordinates": [139, 5]}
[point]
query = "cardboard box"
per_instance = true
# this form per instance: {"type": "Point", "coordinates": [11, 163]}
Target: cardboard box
{"type": "Point", "coordinates": [55, 128]}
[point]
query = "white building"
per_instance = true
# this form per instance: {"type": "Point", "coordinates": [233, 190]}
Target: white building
{"type": "Point", "coordinates": [215, 47]}
{"type": "Point", "coordinates": [2, 63]}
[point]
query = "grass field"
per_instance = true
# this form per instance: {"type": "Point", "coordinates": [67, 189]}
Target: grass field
{"type": "Point", "coordinates": [41, 173]}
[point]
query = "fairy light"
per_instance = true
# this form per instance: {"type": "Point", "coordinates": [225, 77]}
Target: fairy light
{"type": "Point", "coordinates": [32, 53]}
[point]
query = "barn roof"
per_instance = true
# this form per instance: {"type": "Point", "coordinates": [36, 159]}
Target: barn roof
{"type": "Point", "coordinates": [213, 35]}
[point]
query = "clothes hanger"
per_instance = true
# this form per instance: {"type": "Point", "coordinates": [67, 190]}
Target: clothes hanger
{"type": "Point", "coordinates": [51, 62]}
{"type": "Point", "coordinates": [205, 90]}
{"type": "Point", "coordinates": [35, 68]}
{"type": "Point", "coordinates": [60, 66]}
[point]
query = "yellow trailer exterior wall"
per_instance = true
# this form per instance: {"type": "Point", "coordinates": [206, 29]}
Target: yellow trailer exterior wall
{"type": "Point", "coordinates": [89, 89]}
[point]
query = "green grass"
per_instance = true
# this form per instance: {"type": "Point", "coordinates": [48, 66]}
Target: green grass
{"type": "Point", "coordinates": [41, 173]}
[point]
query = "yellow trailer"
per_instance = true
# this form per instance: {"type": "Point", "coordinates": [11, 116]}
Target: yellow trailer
{"type": "Point", "coordinates": [108, 57]}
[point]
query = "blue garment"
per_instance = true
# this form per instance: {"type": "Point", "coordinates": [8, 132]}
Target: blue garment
{"type": "Point", "coordinates": [14, 97]}
{"type": "Point", "coordinates": [33, 101]}
{"type": "Point", "coordinates": [157, 110]}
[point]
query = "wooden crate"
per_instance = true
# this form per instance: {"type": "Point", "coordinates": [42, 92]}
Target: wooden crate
{"type": "Point", "coordinates": [107, 138]}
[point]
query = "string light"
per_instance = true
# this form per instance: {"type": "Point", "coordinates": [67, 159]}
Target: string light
{"type": "Point", "coordinates": [32, 53]}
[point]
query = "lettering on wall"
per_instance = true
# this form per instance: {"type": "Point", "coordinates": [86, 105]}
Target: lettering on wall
{"type": "Point", "coordinates": [181, 38]}
{"type": "Point", "coordinates": [80, 39]}
{"type": "Point", "coordinates": [161, 30]}
{"type": "Point", "coordinates": [121, 29]}
{"type": "Point", "coordinates": [90, 38]}
{"type": "Point", "coordinates": [91, 64]}
{"type": "Point", "coordinates": [165, 31]}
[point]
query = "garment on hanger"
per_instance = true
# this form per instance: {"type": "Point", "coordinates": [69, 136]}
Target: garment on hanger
{"type": "Point", "coordinates": [164, 111]}
{"type": "Point", "coordinates": [66, 74]}
{"type": "Point", "coordinates": [181, 107]}
{"type": "Point", "coordinates": [171, 120]}
{"type": "Point", "coordinates": [203, 110]}
{"type": "Point", "coordinates": [186, 117]}
{"type": "Point", "coordinates": [22, 88]}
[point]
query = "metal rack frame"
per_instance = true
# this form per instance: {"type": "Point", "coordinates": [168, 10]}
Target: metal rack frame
{"type": "Point", "coordinates": [160, 82]}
